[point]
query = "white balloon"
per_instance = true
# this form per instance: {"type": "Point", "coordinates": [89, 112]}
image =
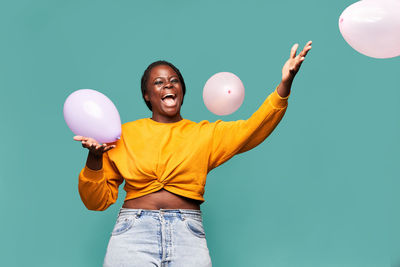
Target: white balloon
{"type": "Point", "coordinates": [372, 27]}
{"type": "Point", "coordinates": [223, 93]}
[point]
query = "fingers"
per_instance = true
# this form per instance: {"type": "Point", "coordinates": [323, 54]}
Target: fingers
{"type": "Point", "coordinates": [293, 50]}
{"type": "Point", "coordinates": [293, 64]}
{"type": "Point", "coordinates": [93, 146]}
{"type": "Point", "coordinates": [306, 48]}
{"type": "Point", "coordinates": [298, 64]}
{"type": "Point", "coordinates": [298, 61]}
{"type": "Point", "coordinates": [84, 139]}
{"type": "Point", "coordinates": [79, 138]}
{"type": "Point", "coordinates": [87, 142]}
{"type": "Point", "coordinates": [100, 149]}
{"type": "Point", "coordinates": [300, 58]}
{"type": "Point", "coordinates": [99, 146]}
{"type": "Point", "coordinates": [109, 148]}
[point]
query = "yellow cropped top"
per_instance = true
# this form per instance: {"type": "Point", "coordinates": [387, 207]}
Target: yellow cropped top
{"type": "Point", "coordinates": [175, 156]}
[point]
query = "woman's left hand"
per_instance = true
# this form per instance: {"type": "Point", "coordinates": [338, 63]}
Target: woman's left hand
{"type": "Point", "coordinates": [293, 64]}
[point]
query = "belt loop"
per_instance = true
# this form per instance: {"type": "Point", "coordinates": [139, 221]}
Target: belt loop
{"type": "Point", "coordinates": [138, 213]}
{"type": "Point", "coordinates": [182, 214]}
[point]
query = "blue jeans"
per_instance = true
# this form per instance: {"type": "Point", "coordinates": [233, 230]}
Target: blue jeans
{"type": "Point", "coordinates": [158, 238]}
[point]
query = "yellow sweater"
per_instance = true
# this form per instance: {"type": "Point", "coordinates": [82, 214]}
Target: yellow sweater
{"type": "Point", "coordinates": [175, 156]}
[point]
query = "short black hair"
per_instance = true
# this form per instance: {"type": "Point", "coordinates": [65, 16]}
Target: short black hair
{"type": "Point", "coordinates": [146, 74]}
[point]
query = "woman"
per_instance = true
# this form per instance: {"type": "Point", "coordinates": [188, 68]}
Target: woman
{"type": "Point", "coordinates": [164, 161]}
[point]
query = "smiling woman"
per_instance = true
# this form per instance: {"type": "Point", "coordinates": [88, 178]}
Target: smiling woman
{"type": "Point", "coordinates": [164, 92]}
{"type": "Point", "coordinates": [164, 161]}
{"type": "Point", "coordinates": [163, 89]}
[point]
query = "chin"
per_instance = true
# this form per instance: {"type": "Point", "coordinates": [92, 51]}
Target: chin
{"type": "Point", "coordinates": [172, 113]}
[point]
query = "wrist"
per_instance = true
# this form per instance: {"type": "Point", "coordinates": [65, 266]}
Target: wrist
{"type": "Point", "coordinates": [94, 162]}
{"type": "Point", "coordinates": [283, 89]}
{"type": "Point", "coordinates": [287, 81]}
{"type": "Point", "coordinates": [95, 156]}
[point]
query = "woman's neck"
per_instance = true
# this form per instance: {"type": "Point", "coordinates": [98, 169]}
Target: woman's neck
{"type": "Point", "coordinates": [165, 119]}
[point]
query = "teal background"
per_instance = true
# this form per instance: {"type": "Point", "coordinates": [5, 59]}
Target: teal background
{"type": "Point", "coordinates": [321, 191]}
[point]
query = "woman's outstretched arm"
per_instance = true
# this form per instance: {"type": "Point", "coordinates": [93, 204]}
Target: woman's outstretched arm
{"type": "Point", "coordinates": [289, 71]}
{"type": "Point", "coordinates": [234, 137]}
{"type": "Point", "coordinates": [99, 179]}
{"type": "Point", "coordinates": [95, 157]}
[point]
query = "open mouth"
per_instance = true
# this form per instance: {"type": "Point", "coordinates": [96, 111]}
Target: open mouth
{"type": "Point", "coordinates": [169, 100]}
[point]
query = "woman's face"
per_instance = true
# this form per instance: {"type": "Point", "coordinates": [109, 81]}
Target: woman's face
{"type": "Point", "coordinates": [164, 91]}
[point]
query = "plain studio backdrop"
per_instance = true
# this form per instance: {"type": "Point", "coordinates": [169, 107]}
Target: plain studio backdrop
{"type": "Point", "coordinates": [322, 190]}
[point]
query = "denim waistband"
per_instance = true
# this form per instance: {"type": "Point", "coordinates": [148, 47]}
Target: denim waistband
{"type": "Point", "coordinates": [164, 212]}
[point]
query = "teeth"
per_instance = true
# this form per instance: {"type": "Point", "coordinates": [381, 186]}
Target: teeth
{"type": "Point", "coordinates": [168, 95]}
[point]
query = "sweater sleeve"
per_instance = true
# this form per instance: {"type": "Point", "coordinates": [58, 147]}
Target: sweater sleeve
{"type": "Point", "coordinates": [234, 137]}
{"type": "Point", "coordinates": [99, 188]}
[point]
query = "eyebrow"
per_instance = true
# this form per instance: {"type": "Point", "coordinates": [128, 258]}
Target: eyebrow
{"type": "Point", "coordinates": [168, 77]}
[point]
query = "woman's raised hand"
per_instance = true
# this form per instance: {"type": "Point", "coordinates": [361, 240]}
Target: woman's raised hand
{"type": "Point", "coordinates": [294, 62]}
{"type": "Point", "coordinates": [94, 147]}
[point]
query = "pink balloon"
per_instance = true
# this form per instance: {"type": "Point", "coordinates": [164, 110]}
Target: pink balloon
{"type": "Point", "coordinates": [372, 27]}
{"type": "Point", "coordinates": [90, 113]}
{"type": "Point", "coordinates": [223, 93]}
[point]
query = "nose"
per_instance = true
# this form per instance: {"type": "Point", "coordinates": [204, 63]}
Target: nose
{"type": "Point", "coordinates": [168, 85]}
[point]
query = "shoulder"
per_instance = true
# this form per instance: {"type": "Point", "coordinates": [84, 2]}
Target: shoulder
{"type": "Point", "coordinates": [205, 125]}
{"type": "Point", "coordinates": [132, 124]}
{"type": "Point", "coordinates": [195, 124]}
{"type": "Point", "coordinates": [131, 128]}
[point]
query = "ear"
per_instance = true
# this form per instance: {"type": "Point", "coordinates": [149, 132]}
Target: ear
{"type": "Point", "coordinates": [146, 97]}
